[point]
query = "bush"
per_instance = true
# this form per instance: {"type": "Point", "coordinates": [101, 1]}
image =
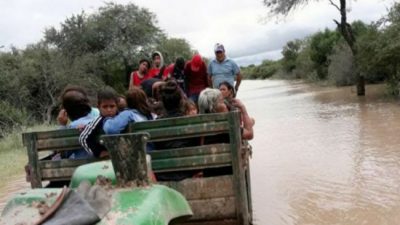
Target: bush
{"type": "Point", "coordinates": [341, 70]}
{"type": "Point", "coordinates": [11, 117]}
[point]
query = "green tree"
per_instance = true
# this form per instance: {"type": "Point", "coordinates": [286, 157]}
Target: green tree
{"type": "Point", "coordinates": [345, 29]}
{"type": "Point", "coordinates": [378, 56]}
{"type": "Point", "coordinates": [117, 36]}
{"type": "Point", "coordinates": [290, 52]}
{"type": "Point", "coordinates": [172, 48]}
{"type": "Point", "coordinates": [321, 45]}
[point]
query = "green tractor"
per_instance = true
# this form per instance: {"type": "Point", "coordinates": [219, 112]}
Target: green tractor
{"type": "Point", "coordinates": [120, 190]}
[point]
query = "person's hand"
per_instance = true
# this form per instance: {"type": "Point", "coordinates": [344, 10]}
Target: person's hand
{"type": "Point", "coordinates": [81, 127]}
{"type": "Point", "coordinates": [62, 117]}
{"type": "Point", "coordinates": [238, 104]}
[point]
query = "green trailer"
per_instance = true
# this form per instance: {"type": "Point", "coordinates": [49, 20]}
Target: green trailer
{"type": "Point", "coordinates": [223, 199]}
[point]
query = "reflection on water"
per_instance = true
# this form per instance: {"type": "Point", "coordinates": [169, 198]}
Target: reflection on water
{"type": "Point", "coordinates": [322, 155]}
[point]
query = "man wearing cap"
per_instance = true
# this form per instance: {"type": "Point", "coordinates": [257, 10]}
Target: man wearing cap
{"type": "Point", "coordinates": [196, 77]}
{"type": "Point", "coordinates": [223, 69]}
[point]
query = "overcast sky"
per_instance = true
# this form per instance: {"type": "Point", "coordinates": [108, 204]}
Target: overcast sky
{"type": "Point", "coordinates": [235, 23]}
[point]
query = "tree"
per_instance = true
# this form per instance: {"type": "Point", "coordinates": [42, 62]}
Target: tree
{"type": "Point", "coordinates": [116, 36]}
{"type": "Point", "coordinates": [290, 52]}
{"type": "Point", "coordinates": [321, 45]}
{"type": "Point", "coordinates": [284, 7]}
{"type": "Point", "coordinates": [380, 47]}
{"type": "Point", "coordinates": [172, 48]}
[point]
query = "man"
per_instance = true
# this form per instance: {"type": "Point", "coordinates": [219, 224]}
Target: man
{"type": "Point", "coordinates": [196, 77]}
{"type": "Point", "coordinates": [223, 69]}
{"type": "Point", "coordinates": [158, 70]}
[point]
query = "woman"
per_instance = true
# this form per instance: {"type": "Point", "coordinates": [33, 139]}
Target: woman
{"type": "Point", "coordinates": [227, 90]}
{"type": "Point", "coordinates": [141, 74]}
{"type": "Point", "coordinates": [212, 101]}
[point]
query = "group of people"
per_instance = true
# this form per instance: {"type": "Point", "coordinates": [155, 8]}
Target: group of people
{"type": "Point", "coordinates": [192, 76]}
{"type": "Point", "coordinates": [182, 89]}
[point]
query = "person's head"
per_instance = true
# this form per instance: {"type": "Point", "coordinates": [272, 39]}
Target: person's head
{"type": "Point", "coordinates": [137, 99]}
{"type": "Point", "coordinates": [156, 89]}
{"type": "Point", "coordinates": [107, 102]}
{"type": "Point", "coordinates": [219, 51]}
{"type": "Point", "coordinates": [147, 86]}
{"type": "Point", "coordinates": [179, 63]}
{"type": "Point", "coordinates": [122, 103]}
{"type": "Point", "coordinates": [171, 96]}
{"type": "Point", "coordinates": [144, 66]}
{"type": "Point", "coordinates": [190, 108]}
{"type": "Point", "coordinates": [227, 90]}
{"type": "Point", "coordinates": [156, 57]}
{"type": "Point", "coordinates": [196, 62]}
{"type": "Point", "coordinates": [75, 101]}
{"type": "Point", "coordinates": [74, 88]}
{"type": "Point", "coordinates": [211, 101]}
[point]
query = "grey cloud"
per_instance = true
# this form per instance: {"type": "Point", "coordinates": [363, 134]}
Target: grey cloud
{"type": "Point", "coordinates": [270, 41]}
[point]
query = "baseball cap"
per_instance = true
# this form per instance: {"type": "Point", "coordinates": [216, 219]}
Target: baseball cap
{"type": "Point", "coordinates": [196, 62]}
{"type": "Point", "coordinates": [219, 48]}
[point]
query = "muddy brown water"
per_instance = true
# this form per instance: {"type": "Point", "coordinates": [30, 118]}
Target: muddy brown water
{"type": "Point", "coordinates": [322, 155]}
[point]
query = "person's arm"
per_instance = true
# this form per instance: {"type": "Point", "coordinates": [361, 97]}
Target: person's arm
{"type": "Point", "coordinates": [88, 137]}
{"type": "Point", "coordinates": [238, 75]}
{"type": "Point", "coordinates": [209, 76]}
{"type": "Point", "coordinates": [238, 81]}
{"type": "Point", "coordinates": [131, 81]}
{"type": "Point", "coordinates": [248, 123]}
{"type": "Point", "coordinates": [62, 118]}
{"type": "Point", "coordinates": [118, 123]}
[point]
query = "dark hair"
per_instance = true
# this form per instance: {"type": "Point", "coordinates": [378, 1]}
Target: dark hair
{"type": "Point", "coordinates": [171, 96]}
{"type": "Point", "coordinates": [154, 55]}
{"type": "Point", "coordinates": [147, 86]}
{"type": "Point", "coordinates": [179, 63]}
{"type": "Point", "coordinates": [107, 93]}
{"type": "Point", "coordinates": [137, 99]}
{"type": "Point", "coordinates": [229, 86]}
{"type": "Point", "coordinates": [76, 104]}
{"type": "Point", "coordinates": [75, 88]}
{"type": "Point", "coordinates": [147, 61]}
{"type": "Point", "coordinates": [189, 103]}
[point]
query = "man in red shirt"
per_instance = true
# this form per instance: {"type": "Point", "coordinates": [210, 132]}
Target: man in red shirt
{"type": "Point", "coordinates": [196, 77]}
{"type": "Point", "coordinates": [141, 74]}
{"type": "Point", "coordinates": [158, 70]}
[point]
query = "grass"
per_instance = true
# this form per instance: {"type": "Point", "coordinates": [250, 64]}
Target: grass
{"type": "Point", "coordinates": [13, 155]}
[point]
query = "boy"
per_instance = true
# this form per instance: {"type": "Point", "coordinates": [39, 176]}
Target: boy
{"type": "Point", "coordinates": [107, 100]}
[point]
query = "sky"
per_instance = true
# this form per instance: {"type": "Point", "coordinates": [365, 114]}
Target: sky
{"type": "Point", "coordinates": [241, 25]}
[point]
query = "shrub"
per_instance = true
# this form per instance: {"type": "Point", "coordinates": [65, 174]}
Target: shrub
{"type": "Point", "coordinates": [341, 70]}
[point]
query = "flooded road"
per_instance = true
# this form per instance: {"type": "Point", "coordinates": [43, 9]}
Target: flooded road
{"type": "Point", "coordinates": [322, 155]}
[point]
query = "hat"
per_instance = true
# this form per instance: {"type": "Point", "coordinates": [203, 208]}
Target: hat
{"type": "Point", "coordinates": [196, 63]}
{"type": "Point", "coordinates": [219, 48]}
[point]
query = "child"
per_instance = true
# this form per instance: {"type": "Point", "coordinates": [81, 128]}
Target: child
{"type": "Point", "coordinates": [108, 105]}
{"type": "Point", "coordinates": [122, 105]}
{"type": "Point", "coordinates": [138, 110]}
{"type": "Point", "coordinates": [190, 108]}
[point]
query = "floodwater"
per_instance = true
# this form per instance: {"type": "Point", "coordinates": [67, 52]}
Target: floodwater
{"type": "Point", "coordinates": [322, 155]}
